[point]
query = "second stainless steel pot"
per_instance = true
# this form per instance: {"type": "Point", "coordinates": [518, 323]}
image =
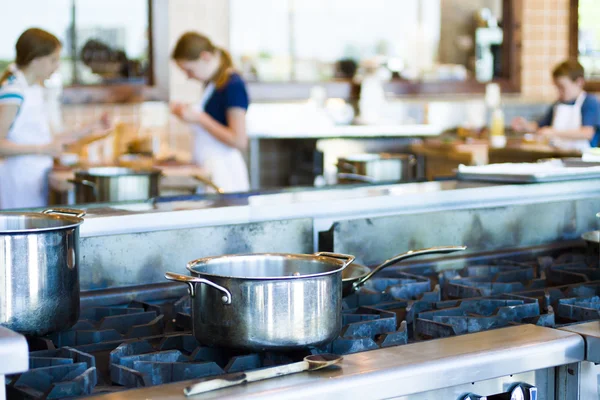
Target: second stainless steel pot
{"type": "Point", "coordinates": [374, 168]}
{"type": "Point", "coordinates": [39, 270]}
{"type": "Point", "coordinates": [261, 302]}
{"type": "Point", "coordinates": [114, 184]}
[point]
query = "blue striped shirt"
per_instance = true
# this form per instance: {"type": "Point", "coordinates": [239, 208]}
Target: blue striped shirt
{"type": "Point", "coordinates": [12, 90]}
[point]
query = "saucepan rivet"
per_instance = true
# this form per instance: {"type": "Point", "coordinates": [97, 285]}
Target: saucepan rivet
{"type": "Point", "coordinates": [224, 299]}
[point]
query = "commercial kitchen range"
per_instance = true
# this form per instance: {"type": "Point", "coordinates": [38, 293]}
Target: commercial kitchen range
{"type": "Point", "coordinates": [516, 316]}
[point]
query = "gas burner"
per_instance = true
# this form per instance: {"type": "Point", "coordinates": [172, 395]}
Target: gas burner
{"type": "Point", "coordinates": [490, 280]}
{"type": "Point", "coordinates": [177, 358]}
{"type": "Point", "coordinates": [146, 343]}
{"type": "Point", "coordinates": [55, 374]}
{"type": "Point", "coordinates": [400, 285]}
{"type": "Point", "coordinates": [451, 318]}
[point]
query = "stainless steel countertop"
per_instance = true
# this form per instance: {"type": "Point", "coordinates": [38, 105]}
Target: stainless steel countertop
{"type": "Point", "coordinates": [403, 370]}
{"type": "Point", "coordinates": [591, 334]}
{"type": "Point", "coordinates": [327, 206]}
{"type": "Point", "coordinates": [14, 353]}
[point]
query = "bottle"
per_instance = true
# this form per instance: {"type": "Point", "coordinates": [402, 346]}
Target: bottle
{"type": "Point", "coordinates": [494, 103]}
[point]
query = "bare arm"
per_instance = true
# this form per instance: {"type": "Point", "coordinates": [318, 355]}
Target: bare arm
{"type": "Point", "coordinates": [583, 133]}
{"type": "Point", "coordinates": [233, 135]}
{"type": "Point", "coordinates": [8, 113]}
{"type": "Point", "coordinates": [521, 125]}
{"type": "Point", "coordinates": [94, 131]}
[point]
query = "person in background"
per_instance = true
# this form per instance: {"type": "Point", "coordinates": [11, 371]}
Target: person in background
{"type": "Point", "coordinates": [27, 144]}
{"type": "Point", "coordinates": [219, 120]}
{"type": "Point", "coordinates": [573, 122]}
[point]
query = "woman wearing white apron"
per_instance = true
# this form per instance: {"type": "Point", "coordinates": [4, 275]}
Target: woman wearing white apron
{"type": "Point", "coordinates": [26, 142]}
{"type": "Point", "coordinates": [219, 120]}
{"type": "Point", "coordinates": [573, 122]}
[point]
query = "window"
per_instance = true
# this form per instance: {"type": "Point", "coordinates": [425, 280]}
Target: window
{"type": "Point", "coordinates": [585, 37]}
{"type": "Point", "coordinates": [104, 42]}
{"type": "Point", "coordinates": [414, 40]}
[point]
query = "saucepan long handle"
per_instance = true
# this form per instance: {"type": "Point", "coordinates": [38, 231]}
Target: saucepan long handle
{"type": "Point", "coordinates": [209, 183]}
{"type": "Point", "coordinates": [191, 281]}
{"type": "Point", "coordinates": [85, 182]}
{"type": "Point", "coordinates": [404, 256]}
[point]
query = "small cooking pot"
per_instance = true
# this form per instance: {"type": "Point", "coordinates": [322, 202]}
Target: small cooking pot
{"type": "Point", "coordinates": [356, 275]}
{"type": "Point", "coordinates": [376, 168]}
{"type": "Point", "coordinates": [261, 302]}
{"type": "Point", "coordinates": [276, 302]}
{"type": "Point", "coordinates": [115, 184]}
{"type": "Point", "coordinates": [39, 270]}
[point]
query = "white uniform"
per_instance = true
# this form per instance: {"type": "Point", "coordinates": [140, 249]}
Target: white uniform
{"type": "Point", "coordinates": [568, 117]}
{"type": "Point", "coordinates": [24, 179]}
{"type": "Point", "coordinates": [224, 164]}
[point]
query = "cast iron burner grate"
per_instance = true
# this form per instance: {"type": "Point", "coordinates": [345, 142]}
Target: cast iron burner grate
{"type": "Point", "coordinates": [145, 343]}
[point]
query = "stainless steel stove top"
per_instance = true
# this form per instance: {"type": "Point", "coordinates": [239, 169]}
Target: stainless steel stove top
{"type": "Point", "coordinates": [141, 338]}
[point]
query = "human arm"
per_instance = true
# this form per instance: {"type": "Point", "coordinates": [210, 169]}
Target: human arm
{"type": "Point", "coordinates": [521, 125]}
{"type": "Point", "coordinates": [233, 135]}
{"type": "Point", "coordinates": [583, 133]}
{"type": "Point", "coordinates": [8, 114]}
{"type": "Point", "coordinates": [98, 129]}
{"type": "Point", "coordinates": [590, 120]}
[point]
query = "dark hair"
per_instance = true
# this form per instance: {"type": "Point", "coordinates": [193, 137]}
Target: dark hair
{"type": "Point", "coordinates": [192, 44]}
{"type": "Point", "coordinates": [571, 69]}
{"type": "Point", "coordinates": [33, 43]}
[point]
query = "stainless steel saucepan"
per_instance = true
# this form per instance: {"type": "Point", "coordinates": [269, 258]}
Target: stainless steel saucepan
{"type": "Point", "coordinates": [39, 270]}
{"type": "Point", "coordinates": [261, 302]}
{"type": "Point", "coordinates": [276, 302]}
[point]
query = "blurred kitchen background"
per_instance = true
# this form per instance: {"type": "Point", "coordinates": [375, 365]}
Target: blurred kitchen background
{"type": "Point", "coordinates": [314, 67]}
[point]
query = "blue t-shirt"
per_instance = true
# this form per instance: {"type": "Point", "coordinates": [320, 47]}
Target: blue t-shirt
{"type": "Point", "coordinates": [590, 116]}
{"type": "Point", "coordinates": [232, 94]}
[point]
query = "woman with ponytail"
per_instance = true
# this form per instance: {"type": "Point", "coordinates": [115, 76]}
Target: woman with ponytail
{"type": "Point", "coordinates": [219, 120]}
{"type": "Point", "coordinates": [27, 144]}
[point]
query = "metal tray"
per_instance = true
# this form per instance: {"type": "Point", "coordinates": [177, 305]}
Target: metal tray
{"type": "Point", "coordinates": [583, 172]}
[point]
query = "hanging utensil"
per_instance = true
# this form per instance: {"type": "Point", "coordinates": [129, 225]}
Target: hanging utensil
{"type": "Point", "coordinates": [310, 363]}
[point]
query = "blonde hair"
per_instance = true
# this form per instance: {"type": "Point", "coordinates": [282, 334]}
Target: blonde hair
{"type": "Point", "coordinates": [192, 44]}
{"type": "Point", "coordinates": [33, 43]}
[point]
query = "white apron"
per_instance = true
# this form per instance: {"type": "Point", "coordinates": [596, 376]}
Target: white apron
{"type": "Point", "coordinates": [568, 117]}
{"type": "Point", "coordinates": [224, 164]}
{"type": "Point", "coordinates": [24, 179]}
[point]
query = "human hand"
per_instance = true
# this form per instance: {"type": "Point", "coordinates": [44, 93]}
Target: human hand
{"type": "Point", "coordinates": [177, 109]}
{"type": "Point", "coordinates": [105, 122]}
{"type": "Point", "coordinates": [519, 124]}
{"type": "Point", "coordinates": [185, 112]}
{"type": "Point", "coordinates": [546, 132]}
{"type": "Point", "coordinates": [54, 149]}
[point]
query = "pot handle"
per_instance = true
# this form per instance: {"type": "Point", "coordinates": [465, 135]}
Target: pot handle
{"type": "Point", "coordinates": [85, 182]}
{"type": "Point", "coordinates": [348, 259]}
{"type": "Point", "coordinates": [191, 281]}
{"type": "Point", "coordinates": [403, 256]}
{"type": "Point", "coordinates": [356, 177]}
{"type": "Point", "coordinates": [347, 166]}
{"type": "Point", "coordinates": [209, 183]}
{"type": "Point", "coordinates": [65, 211]}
